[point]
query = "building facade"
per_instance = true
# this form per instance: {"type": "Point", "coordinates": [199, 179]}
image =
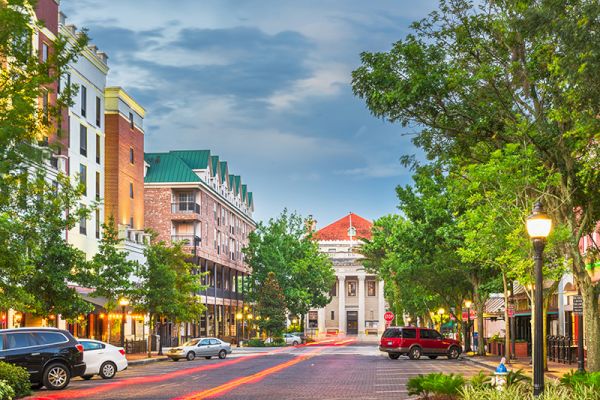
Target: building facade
{"type": "Point", "coordinates": [357, 298]}
{"type": "Point", "coordinates": [191, 197]}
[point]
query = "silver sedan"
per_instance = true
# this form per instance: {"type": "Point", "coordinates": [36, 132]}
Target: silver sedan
{"type": "Point", "coordinates": [200, 347]}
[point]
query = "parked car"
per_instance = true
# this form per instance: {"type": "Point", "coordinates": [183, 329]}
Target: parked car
{"type": "Point", "coordinates": [51, 356]}
{"type": "Point", "coordinates": [415, 342]}
{"type": "Point", "coordinates": [102, 359]}
{"type": "Point", "coordinates": [200, 347]}
{"type": "Point", "coordinates": [292, 338]}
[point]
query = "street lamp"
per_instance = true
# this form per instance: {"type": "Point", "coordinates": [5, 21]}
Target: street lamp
{"type": "Point", "coordinates": [539, 225]}
{"type": "Point", "coordinates": [123, 302]}
{"type": "Point", "coordinates": [238, 317]}
{"type": "Point", "coordinates": [249, 330]}
{"type": "Point", "coordinates": [468, 304]}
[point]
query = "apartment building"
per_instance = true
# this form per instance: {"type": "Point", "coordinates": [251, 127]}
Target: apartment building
{"type": "Point", "coordinates": [192, 197]}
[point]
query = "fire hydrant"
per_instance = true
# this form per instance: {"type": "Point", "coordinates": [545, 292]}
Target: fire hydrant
{"type": "Point", "coordinates": [499, 380]}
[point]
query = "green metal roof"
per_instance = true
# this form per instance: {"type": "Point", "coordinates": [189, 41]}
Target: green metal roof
{"type": "Point", "coordinates": [223, 165]}
{"type": "Point", "coordinates": [231, 178]}
{"type": "Point", "coordinates": [214, 161]}
{"type": "Point", "coordinates": [250, 199]}
{"type": "Point", "coordinates": [244, 190]}
{"type": "Point", "coordinates": [238, 182]}
{"type": "Point", "coordinates": [195, 159]}
{"type": "Point", "coordinates": [165, 167]}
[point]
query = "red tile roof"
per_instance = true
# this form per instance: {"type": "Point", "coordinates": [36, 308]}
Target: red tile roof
{"type": "Point", "coordinates": [338, 230]}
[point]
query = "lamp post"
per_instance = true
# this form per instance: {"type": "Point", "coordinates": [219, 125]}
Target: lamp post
{"type": "Point", "coordinates": [539, 225]}
{"type": "Point", "coordinates": [441, 312]}
{"type": "Point", "coordinates": [123, 302]}
{"type": "Point", "coordinates": [238, 317]}
{"type": "Point", "coordinates": [249, 318]}
{"type": "Point", "coordinates": [468, 327]}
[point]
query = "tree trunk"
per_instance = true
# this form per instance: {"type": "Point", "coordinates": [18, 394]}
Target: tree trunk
{"type": "Point", "coordinates": [591, 323]}
{"type": "Point", "coordinates": [479, 306]}
{"type": "Point", "coordinates": [150, 330]}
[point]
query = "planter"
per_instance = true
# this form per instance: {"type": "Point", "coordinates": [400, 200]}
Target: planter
{"type": "Point", "coordinates": [520, 349]}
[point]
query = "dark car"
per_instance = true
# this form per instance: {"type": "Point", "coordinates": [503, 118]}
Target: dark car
{"type": "Point", "coordinates": [51, 356]}
{"type": "Point", "coordinates": [415, 342]}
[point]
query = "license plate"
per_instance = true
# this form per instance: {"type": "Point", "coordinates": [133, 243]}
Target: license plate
{"type": "Point", "coordinates": [390, 343]}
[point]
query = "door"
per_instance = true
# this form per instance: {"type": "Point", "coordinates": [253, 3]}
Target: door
{"type": "Point", "coordinates": [203, 348]}
{"type": "Point", "coordinates": [92, 356]}
{"type": "Point", "coordinates": [352, 322]}
{"type": "Point", "coordinates": [215, 347]}
{"type": "Point", "coordinates": [22, 349]}
{"type": "Point", "coordinates": [432, 342]}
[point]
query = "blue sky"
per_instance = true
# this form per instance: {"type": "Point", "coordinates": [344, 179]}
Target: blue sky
{"type": "Point", "coordinates": [266, 86]}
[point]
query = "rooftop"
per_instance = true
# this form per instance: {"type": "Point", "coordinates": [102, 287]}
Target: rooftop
{"type": "Point", "coordinates": [350, 227]}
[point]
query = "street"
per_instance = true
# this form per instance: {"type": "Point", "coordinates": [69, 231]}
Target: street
{"type": "Point", "coordinates": [335, 369]}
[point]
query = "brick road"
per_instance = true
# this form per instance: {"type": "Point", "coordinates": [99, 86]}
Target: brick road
{"type": "Point", "coordinates": [311, 372]}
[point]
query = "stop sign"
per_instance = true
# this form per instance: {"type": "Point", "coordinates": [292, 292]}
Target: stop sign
{"type": "Point", "coordinates": [388, 316]}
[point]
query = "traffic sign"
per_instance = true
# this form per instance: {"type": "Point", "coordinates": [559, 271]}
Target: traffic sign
{"type": "Point", "coordinates": [388, 316]}
{"type": "Point", "coordinates": [578, 305]}
{"type": "Point", "coordinates": [511, 310]}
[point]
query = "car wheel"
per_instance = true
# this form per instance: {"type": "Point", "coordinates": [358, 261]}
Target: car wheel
{"type": "Point", "coordinates": [108, 370]}
{"type": "Point", "coordinates": [190, 356]}
{"type": "Point", "coordinates": [414, 353]}
{"type": "Point", "coordinates": [453, 353]}
{"type": "Point", "coordinates": [433, 357]}
{"type": "Point", "coordinates": [394, 356]}
{"type": "Point", "coordinates": [87, 377]}
{"type": "Point", "coordinates": [208, 357]}
{"type": "Point", "coordinates": [222, 354]}
{"type": "Point", "coordinates": [295, 343]}
{"type": "Point", "coordinates": [56, 376]}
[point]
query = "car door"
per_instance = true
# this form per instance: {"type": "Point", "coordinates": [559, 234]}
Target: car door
{"type": "Point", "coordinates": [203, 348]}
{"type": "Point", "coordinates": [427, 342]}
{"type": "Point", "coordinates": [93, 356]}
{"type": "Point", "coordinates": [438, 342]}
{"type": "Point", "coordinates": [215, 347]}
{"type": "Point", "coordinates": [23, 349]}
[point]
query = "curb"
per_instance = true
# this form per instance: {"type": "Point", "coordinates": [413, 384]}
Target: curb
{"type": "Point", "coordinates": [145, 361]}
{"type": "Point", "coordinates": [492, 368]}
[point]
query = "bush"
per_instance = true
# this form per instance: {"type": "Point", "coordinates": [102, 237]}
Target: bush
{"type": "Point", "coordinates": [516, 378]}
{"type": "Point", "coordinates": [524, 392]}
{"type": "Point", "coordinates": [16, 377]}
{"type": "Point", "coordinates": [254, 343]}
{"type": "Point", "coordinates": [278, 341]}
{"type": "Point", "coordinates": [6, 391]}
{"type": "Point", "coordinates": [481, 380]}
{"type": "Point", "coordinates": [437, 384]}
{"type": "Point", "coordinates": [575, 378]}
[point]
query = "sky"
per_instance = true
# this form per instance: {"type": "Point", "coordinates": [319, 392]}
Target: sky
{"type": "Point", "coordinates": [266, 85]}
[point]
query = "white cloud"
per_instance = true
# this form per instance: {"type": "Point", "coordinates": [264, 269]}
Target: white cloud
{"type": "Point", "coordinates": [374, 171]}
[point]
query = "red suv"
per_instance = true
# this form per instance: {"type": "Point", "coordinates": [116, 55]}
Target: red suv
{"type": "Point", "coordinates": [416, 342]}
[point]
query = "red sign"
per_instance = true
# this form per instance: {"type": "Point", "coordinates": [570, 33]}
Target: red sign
{"type": "Point", "coordinates": [388, 316]}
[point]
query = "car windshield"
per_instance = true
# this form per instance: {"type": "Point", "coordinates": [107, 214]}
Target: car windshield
{"type": "Point", "coordinates": [192, 342]}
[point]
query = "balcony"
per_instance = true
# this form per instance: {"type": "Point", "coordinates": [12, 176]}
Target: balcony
{"type": "Point", "coordinates": [185, 210]}
{"type": "Point", "coordinates": [187, 240]}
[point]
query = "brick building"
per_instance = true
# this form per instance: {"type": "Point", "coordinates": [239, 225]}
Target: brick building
{"type": "Point", "coordinates": [191, 197]}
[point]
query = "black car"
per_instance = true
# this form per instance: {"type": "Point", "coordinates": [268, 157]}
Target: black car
{"type": "Point", "coordinates": [51, 356]}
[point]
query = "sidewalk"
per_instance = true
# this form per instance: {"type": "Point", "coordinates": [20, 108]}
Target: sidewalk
{"type": "Point", "coordinates": [142, 358]}
{"type": "Point", "coordinates": [555, 370]}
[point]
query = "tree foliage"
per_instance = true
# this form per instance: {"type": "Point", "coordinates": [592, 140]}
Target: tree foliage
{"type": "Point", "coordinates": [272, 314]}
{"type": "Point", "coordinates": [284, 247]}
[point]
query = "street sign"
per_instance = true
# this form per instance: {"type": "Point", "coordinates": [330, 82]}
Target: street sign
{"type": "Point", "coordinates": [388, 316]}
{"type": "Point", "coordinates": [578, 305]}
{"type": "Point", "coordinates": [511, 311]}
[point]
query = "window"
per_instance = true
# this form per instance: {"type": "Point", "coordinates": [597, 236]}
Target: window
{"type": "Point", "coordinates": [215, 211]}
{"type": "Point", "coordinates": [215, 239]}
{"type": "Point", "coordinates": [351, 288]}
{"type": "Point", "coordinates": [83, 100]}
{"type": "Point", "coordinates": [214, 341]}
{"type": "Point", "coordinates": [83, 226]}
{"type": "Point", "coordinates": [130, 190]}
{"type": "Point", "coordinates": [44, 52]}
{"type": "Point", "coordinates": [392, 333]}
{"type": "Point", "coordinates": [98, 149]}
{"type": "Point", "coordinates": [409, 333]}
{"type": "Point", "coordinates": [97, 224]}
{"type": "Point", "coordinates": [332, 315]}
{"type": "Point", "coordinates": [333, 290]}
{"type": "Point", "coordinates": [87, 346]}
{"type": "Point", "coordinates": [97, 185]}
{"type": "Point", "coordinates": [131, 120]}
{"type": "Point", "coordinates": [370, 288]}
{"type": "Point", "coordinates": [430, 334]}
{"type": "Point", "coordinates": [50, 337]}
{"type": "Point", "coordinates": [98, 111]}
{"type": "Point", "coordinates": [204, 342]}
{"type": "Point", "coordinates": [83, 177]}
{"type": "Point", "coordinates": [83, 140]}
{"type": "Point", "coordinates": [131, 157]}
{"type": "Point", "coordinates": [20, 340]}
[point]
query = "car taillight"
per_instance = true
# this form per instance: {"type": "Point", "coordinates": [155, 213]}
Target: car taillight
{"type": "Point", "coordinates": [79, 347]}
{"type": "Point", "coordinates": [122, 352]}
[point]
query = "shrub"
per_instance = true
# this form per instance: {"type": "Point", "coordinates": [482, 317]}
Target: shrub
{"type": "Point", "coordinates": [437, 384]}
{"type": "Point", "coordinates": [278, 341]}
{"type": "Point", "coordinates": [16, 377]}
{"type": "Point", "coordinates": [254, 343]}
{"type": "Point", "coordinates": [575, 378]}
{"type": "Point", "coordinates": [481, 380]}
{"type": "Point", "coordinates": [516, 378]}
{"type": "Point", "coordinates": [6, 391]}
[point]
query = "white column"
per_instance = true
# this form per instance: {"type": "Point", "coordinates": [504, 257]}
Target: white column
{"type": "Point", "coordinates": [381, 307]}
{"type": "Point", "coordinates": [321, 316]}
{"type": "Point", "coordinates": [342, 304]}
{"type": "Point", "coordinates": [361, 305]}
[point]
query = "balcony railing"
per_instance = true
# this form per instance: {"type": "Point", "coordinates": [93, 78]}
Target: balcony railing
{"type": "Point", "coordinates": [185, 207]}
{"type": "Point", "coordinates": [188, 240]}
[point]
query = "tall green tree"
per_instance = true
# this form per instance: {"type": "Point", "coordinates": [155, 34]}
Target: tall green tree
{"type": "Point", "coordinates": [476, 78]}
{"type": "Point", "coordinates": [270, 297]}
{"type": "Point", "coordinates": [284, 246]}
